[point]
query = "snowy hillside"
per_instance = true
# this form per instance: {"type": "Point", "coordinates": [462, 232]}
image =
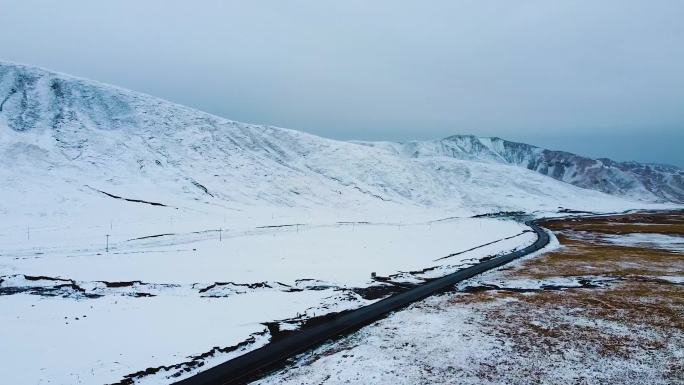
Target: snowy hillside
{"type": "Point", "coordinates": [86, 142]}
{"type": "Point", "coordinates": [649, 182]}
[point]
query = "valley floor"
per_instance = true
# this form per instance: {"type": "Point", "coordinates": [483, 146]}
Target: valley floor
{"type": "Point", "coordinates": [159, 306]}
{"type": "Point", "coordinates": [605, 307]}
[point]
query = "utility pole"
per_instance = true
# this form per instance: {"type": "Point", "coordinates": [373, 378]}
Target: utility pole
{"type": "Point", "coordinates": [107, 247]}
{"type": "Point", "coordinates": [28, 233]}
{"type": "Point", "coordinates": [220, 234]}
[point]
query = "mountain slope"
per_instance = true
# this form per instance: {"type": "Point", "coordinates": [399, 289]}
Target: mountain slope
{"type": "Point", "coordinates": [71, 147]}
{"type": "Point", "coordinates": [649, 182]}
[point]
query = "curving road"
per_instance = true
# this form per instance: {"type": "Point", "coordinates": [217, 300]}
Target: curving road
{"type": "Point", "coordinates": [247, 366]}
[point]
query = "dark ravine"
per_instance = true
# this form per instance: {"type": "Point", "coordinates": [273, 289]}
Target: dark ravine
{"type": "Point", "coordinates": [251, 365]}
{"type": "Point", "coordinates": [66, 288]}
{"type": "Point", "coordinates": [581, 284]}
{"type": "Point", "coordinates": [129, 199]}
{"type": "Point", "coordinates": [149, 237]}
{"type": "Point", "coordinates": [584, 283]}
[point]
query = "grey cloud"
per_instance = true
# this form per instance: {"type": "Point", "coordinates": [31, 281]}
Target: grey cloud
{"type": "Point", "coordinates": [594, 77]}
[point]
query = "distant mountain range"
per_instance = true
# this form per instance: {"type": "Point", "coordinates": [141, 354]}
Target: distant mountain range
{"type": "Point", "coordinates": [641, 181]}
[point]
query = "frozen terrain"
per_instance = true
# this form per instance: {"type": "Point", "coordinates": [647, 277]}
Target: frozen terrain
{"type": "Point", "coordinates": [136, 233]}
{"type": "Point", "coordinates": [583, 311]}
{"type": "Point", "coordinates": [158, 301]}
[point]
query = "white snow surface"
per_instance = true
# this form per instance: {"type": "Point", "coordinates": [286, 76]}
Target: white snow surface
{"type": "Point", "coordinates": [343, 254]}
{"type": "Point", "coordinates": [186, 199]}
{"type": "Point", "coordinates": [657, 241]}
{"type": "Point", "coordinates": [186, 317]}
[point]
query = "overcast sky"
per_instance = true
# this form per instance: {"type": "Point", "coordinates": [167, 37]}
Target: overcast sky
{"type": "Point", "coordinates": [600, 78]}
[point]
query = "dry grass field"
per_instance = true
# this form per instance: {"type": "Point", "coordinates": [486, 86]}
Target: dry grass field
{"type": "Point", "coordinates": [630, 309]}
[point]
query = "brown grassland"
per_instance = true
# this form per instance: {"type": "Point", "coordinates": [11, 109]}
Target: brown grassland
{"type": "Point", "coordinates": [638, 317]}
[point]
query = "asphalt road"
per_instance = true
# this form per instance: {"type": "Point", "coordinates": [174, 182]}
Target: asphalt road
{"type": "Point", "coordinates": [248, 366]}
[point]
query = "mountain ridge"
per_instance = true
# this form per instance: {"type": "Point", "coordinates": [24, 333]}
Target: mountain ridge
{"type": "Point", "coordinates": [69, 135]}
{"type": "Point", "coordinates": [630, 179]}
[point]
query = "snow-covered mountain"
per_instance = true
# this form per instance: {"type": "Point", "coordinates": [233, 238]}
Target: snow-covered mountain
{"type": "Point", "coordinates": [650, 182]}
{"type": "Point", "coordinates": [69, 146]}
